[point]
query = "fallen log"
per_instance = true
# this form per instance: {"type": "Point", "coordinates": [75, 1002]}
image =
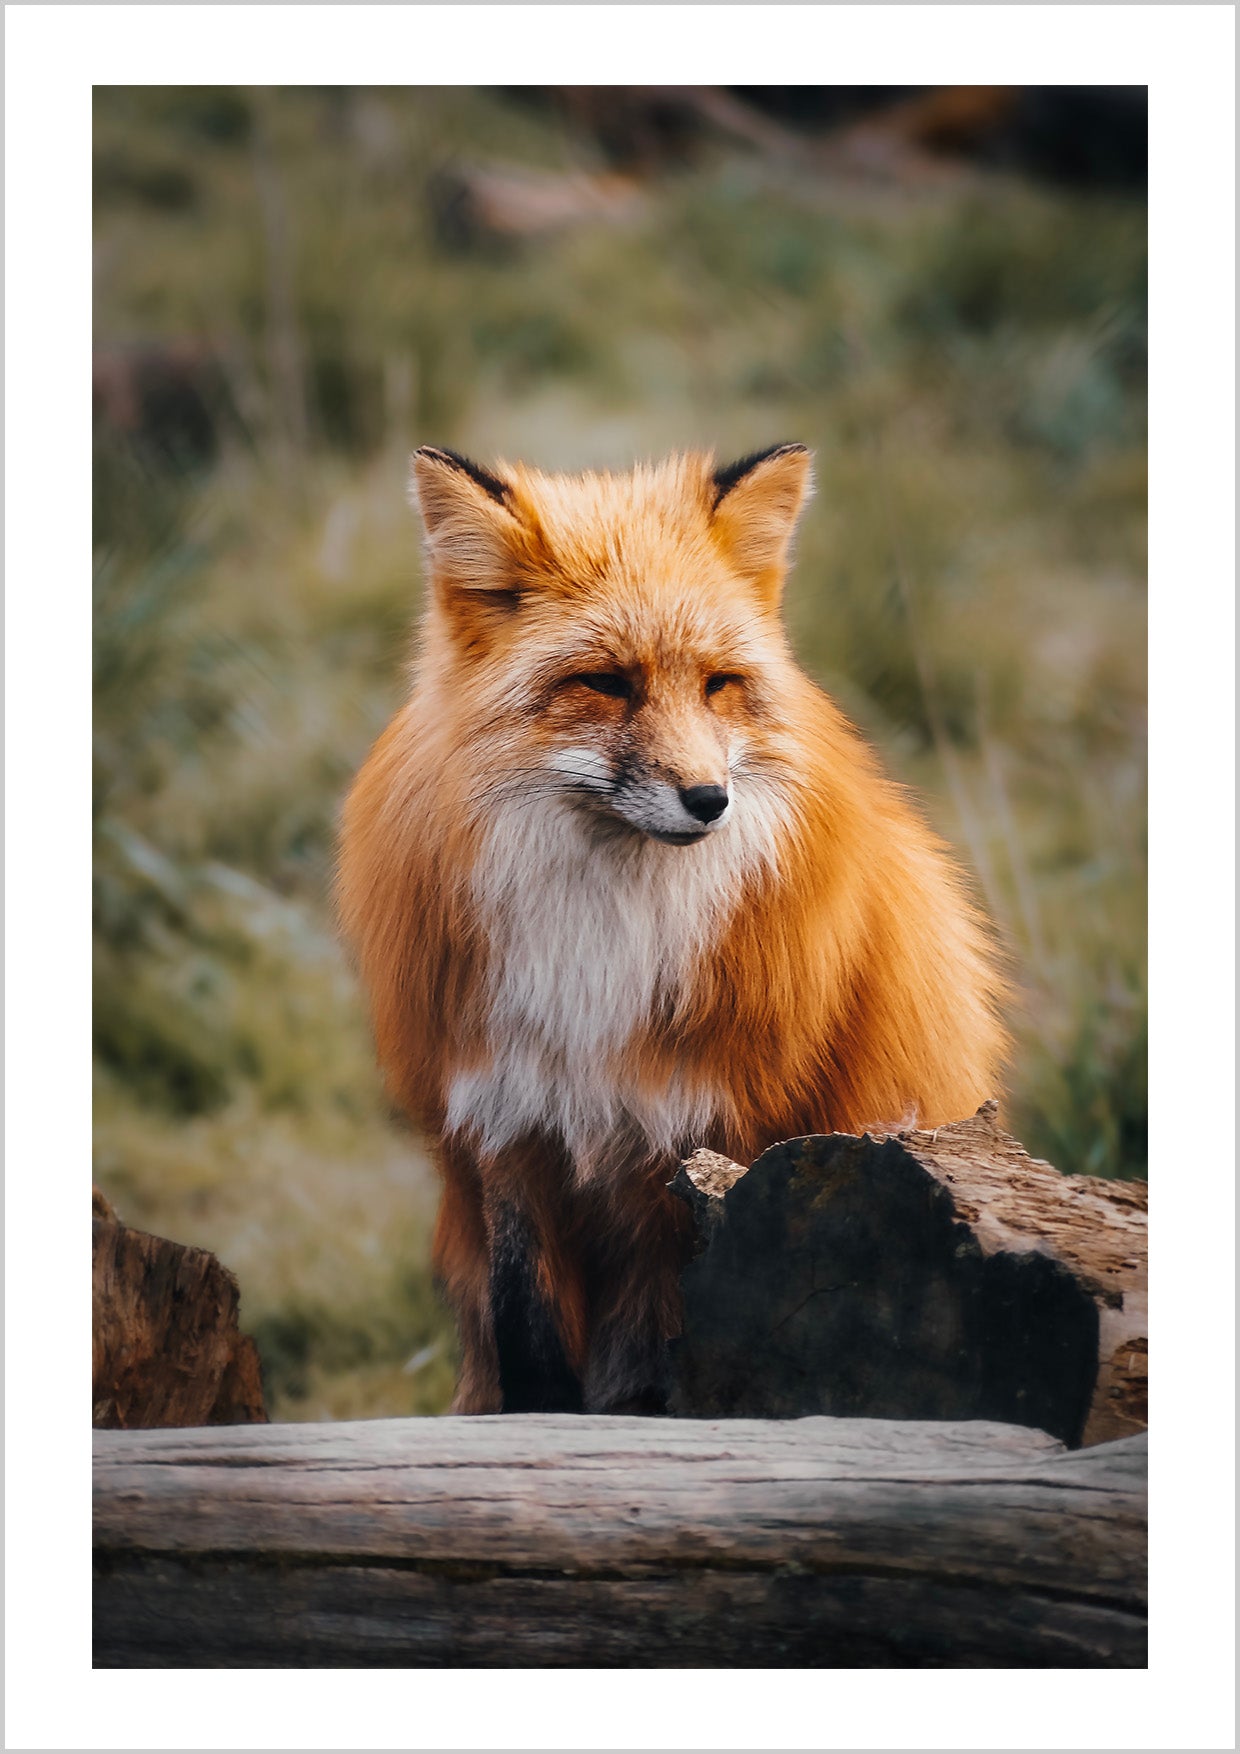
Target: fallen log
{"type": "Point", "coordinates": [166, 1346]}
{"type": "Point", "coordinates": [559, 1540]}
{"type": "Point", "coordinates": [915, 1275]}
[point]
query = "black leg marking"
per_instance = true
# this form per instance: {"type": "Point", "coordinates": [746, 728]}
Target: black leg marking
{"type": "Point", "coordinates": [534, 1374]}
{"type": "Point", "coordinates": [628, 1372]}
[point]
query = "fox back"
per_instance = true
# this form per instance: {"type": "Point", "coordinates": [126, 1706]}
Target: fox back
{"type": "Point", "coordinates": [622, 881]}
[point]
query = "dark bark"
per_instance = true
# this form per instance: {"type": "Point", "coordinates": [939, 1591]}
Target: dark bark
{"type": "Point", "coordinates": [916, 1275]}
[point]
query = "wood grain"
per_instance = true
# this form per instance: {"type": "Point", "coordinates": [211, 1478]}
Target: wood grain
{"type": "Point", "coordinates": [546, 1540]}
{"type": "Point", "coordinates": [167, 1350]}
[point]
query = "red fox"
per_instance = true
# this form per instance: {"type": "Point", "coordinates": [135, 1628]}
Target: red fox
{"type": "Point", "coordinates": [621, 882]}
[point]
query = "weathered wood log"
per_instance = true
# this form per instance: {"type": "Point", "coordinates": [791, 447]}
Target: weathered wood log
{"type": "Point", "coordinates": [915, 1275]}
{"type": "Point", "coordinates": [559, 1540]}
{"type": "Point", "coordinates": [167, 1350]}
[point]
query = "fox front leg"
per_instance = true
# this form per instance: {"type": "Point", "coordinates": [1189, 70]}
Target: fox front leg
{"type": "Point", "coordinates": [532, 1325]}
{"type": "Point", "coordinates": [461, 1259]}
{"type": "Point", "coordinates": [637, 1299]}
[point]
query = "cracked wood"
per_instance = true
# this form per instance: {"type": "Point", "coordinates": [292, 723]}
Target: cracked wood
{"type": "Point", "coordinates": [546, 1540]}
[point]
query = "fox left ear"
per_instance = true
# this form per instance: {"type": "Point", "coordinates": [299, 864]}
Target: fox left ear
{"type": "Point", "coordinates": [756, 505]}
{"type": "Point", "coordinates": [472, 533]}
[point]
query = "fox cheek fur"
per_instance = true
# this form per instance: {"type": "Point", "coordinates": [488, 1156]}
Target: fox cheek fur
{"type": "Point", "coordinates": [621, 881]}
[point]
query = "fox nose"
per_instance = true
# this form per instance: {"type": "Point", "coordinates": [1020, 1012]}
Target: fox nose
{"type": "Point", "coordinates": [705, 802]}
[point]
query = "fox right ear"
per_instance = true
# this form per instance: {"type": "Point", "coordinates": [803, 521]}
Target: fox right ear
{"type": "Point", "coordinates": [756, 503]}
{"type": "Point", "coordinates": [467, 513]}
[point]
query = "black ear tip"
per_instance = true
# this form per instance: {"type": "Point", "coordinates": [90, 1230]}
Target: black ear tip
{"type": "Point", "coordinates": [436, 456]}
{"type": "Point", "coordinates": [726, 478]}
{"type": "Point", "coordinates": [490, 484]}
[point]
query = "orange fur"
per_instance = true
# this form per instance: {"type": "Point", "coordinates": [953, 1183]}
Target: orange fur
{"type": "Point", "coordinates": [593, 647]}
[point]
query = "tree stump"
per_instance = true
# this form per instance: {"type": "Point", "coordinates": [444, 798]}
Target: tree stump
{"type": "Point", "coordinates": [915, 1275]}
{"type": "Point", "coordinates": [167, 1350]}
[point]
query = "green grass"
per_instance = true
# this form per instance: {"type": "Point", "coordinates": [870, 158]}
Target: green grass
{"type": "Point", "coordinates": [969, 367]}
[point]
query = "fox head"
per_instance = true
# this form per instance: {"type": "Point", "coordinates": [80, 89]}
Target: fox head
{"type": "Point", "coordinates": [614, 639]}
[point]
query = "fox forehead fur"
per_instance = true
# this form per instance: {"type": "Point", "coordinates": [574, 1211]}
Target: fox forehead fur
{"type": "Point", "coordinates": [620, 879]}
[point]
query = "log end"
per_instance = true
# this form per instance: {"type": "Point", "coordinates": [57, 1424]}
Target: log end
{"type": "Point", "coordinates": [912, 1274]}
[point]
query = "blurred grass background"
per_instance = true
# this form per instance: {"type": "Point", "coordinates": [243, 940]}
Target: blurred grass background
{"type": "Point", "coordinates": [292, 289]}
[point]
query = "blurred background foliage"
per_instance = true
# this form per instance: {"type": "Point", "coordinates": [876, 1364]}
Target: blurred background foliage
{"type": "Point", "coordinates": [942, 292]}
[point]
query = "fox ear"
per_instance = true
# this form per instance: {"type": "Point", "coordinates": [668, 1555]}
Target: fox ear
{"type": "Point", "coordinates": [471, 528]}
{"type": "Point", "coordinates": [756, 505]}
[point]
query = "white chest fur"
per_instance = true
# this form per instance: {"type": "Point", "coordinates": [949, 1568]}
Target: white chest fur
{"type": "Point", "coordinates": [590, 939]}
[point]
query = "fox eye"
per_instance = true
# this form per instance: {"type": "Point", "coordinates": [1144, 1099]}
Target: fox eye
{"type": "Point", "coordinates": [715, 683]}
{"type": "Point", "coordinates": [605, 682]}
